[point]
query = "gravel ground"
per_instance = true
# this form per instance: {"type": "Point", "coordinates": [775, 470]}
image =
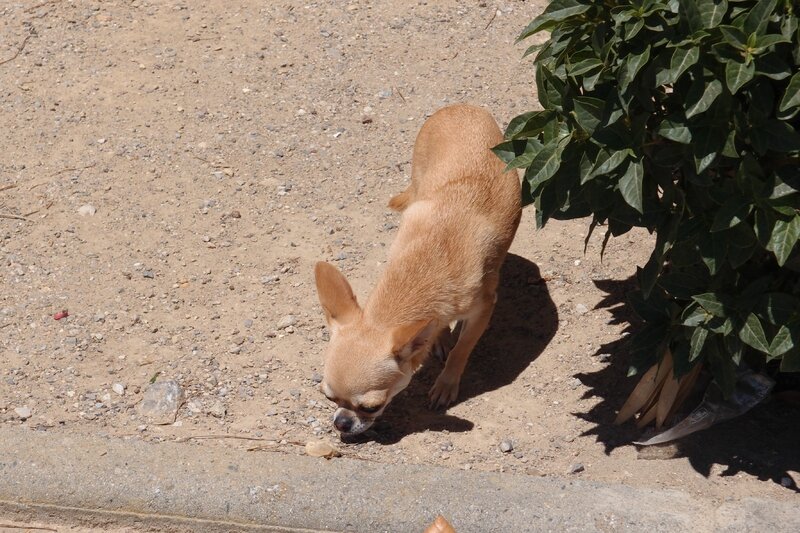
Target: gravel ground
{"type": "Point", "coordinates": [172, 170]}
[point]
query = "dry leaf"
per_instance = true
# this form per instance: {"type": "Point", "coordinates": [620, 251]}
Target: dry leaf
{"type": "Point", "coordinates": [319, 448]}
{"type": "Point", "coordinates": [440, 525]}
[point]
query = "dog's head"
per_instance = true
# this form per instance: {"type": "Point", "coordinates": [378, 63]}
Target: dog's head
{"type": "Point", "coordinates": [366, 364]}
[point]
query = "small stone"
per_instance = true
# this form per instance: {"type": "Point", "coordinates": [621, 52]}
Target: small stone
{"type": "Point", "coordinates": [575, 383]}
{"type": "Point", "coordinates": [575, 468]}
{"type": "Point", "coordinates": [786, 482]}
{"type": "Point", "coordinates": [217, 409]}
{"type": "Point", "coordinates": [248, 323]}
{"type": "Point", "coordinates": [87, 210]}
{"type": "Point", "coordinates": [287, 321]}
{"type": "Point", "coordinates": [119, 388]}
{"type": "Point", "coordinates": [604, 357]}
{"type": "Point", "coordinates": [319, 448]}
{"type": "Point", "coordinates": [23, 413]}
{"type": "Point", "coordinates": [506, 446]}
{"type": "Point", "coordinates": [195, 406]}
{"type": "Point", "coordinates": [148, 274]}
{"type": "Point", "coordinates": [269, 279]}
{"type": "Point", "coordinates": [385, 93]}
{"type": "Point", "coordinates": [446, 446]}
{"type": "Point", "coordinates": [316, 377]}
{"type": "Point", "coordinates": [161, 402]}
{"type": "Point", "coordinates": [235, 350]}
{"type": "Point", "coordinates": [581, 309]}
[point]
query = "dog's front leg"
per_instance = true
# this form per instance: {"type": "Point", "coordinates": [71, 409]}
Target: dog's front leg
{"type": "Point", "coordinates": [445, 389]}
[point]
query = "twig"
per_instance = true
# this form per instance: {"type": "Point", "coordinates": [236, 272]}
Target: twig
{"type": "Point", "coordinates": [6, 187]}
{"type": "Point", "coordinates": [5, 325]}
{"type": "Point", "coordinates": [491, 19]}
{"type": "Point", "coordinates": [204, 437]}
{"type": "Point", "coordinates": [37, 6]}
{"type": "Point", "coordinates": [15, 217]}
{"type": "Point", "coordinates": [71, 169]}
{"type": "Point", "coordinates": [209, 163]}
{"type": "Point", "coordinates": [21, 46]}
{"type": "Point", "coordinates": [403, 98]}
{"type": "Point", "coordinates": [12, 526]}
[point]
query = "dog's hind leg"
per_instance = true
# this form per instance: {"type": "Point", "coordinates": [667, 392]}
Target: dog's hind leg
{"type": "Point", "coordinates": [446, 340]}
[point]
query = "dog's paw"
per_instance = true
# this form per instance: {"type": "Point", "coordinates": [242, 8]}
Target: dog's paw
{"type": "Point", "coordinates": [444, 392]}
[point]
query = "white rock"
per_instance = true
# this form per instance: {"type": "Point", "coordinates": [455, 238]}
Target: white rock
{"type": "Point", "coordinates": [87, 210]}
{"type": "Point", "coordinates": [119, 388]}
{"type": "Point", "coordinates": [23, 413]}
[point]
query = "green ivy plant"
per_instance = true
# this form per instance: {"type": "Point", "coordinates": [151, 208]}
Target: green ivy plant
{"type": "Point", "coordinates": [682, 117]}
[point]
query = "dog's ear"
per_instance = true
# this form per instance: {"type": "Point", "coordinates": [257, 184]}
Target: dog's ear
{"type": "Point", "coordinates": [335, 295]}
{"type": "Point", "coordinates": [409, 338]}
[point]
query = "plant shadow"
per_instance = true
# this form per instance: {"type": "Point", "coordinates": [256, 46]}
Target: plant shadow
{"type": "Point", "coordinates": [525, 319]}
{"type": "Point", "coordinates": [761, 442]}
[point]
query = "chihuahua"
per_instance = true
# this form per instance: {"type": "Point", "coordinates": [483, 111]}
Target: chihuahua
{"type": "Point", "coordinates": [459, 216]}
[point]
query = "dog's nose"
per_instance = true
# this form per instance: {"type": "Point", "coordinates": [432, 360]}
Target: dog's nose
{"type": "Point", "coordinates": [343, 423]}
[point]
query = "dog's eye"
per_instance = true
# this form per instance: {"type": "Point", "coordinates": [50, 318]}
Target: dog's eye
{"type": "Point", "coordinates": [370, 410]}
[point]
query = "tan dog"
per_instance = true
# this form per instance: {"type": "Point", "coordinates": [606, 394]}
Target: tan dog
{"type": "Point", "coordinates": [460, 214]}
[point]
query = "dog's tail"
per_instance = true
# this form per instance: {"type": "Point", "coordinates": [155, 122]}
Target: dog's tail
{"type": "Point", "coordinates": [401, 201]}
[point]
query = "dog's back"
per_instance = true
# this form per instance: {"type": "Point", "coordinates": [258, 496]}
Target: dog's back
{"type": "Point", "coordinates": [460, 213]}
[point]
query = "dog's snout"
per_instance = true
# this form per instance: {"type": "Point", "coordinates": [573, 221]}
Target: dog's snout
{"type": "Point", "coordinates": [342, 422]}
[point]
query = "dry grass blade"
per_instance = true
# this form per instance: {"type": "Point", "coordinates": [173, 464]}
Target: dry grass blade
{"type": "Point", "coordinates": [666, 399]}
{"type": "Point", "coordinates": [19, 50]}
{"type": "Point", "coordinates": [6, 187]}
{"type": "Point", "coordinates": [646, 391]}
{"type": "Point", "coordinates": [686, 385]}
{"type": "Point", "coordinates": [14, 217]}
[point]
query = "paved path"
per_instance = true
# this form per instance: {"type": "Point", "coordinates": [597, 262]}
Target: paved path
{"type": "Point", "coordinates": [184, 486]}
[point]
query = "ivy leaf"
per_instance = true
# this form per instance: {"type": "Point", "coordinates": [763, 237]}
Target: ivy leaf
{"type": "Point", "coordinates": [711, 12]}
{"type": "Point", "coordinates": [781, 343]}
{"type": "Point", "coordinates": [682, 59]}
{"type": "Point", "coordinates": [545, 164]}
{"type": "Point", "coordinates": [556, 11]}
{"type": "Point", "coordinates": [588, 112]}
{"type": "Point", "coordinates": [732, 213]}
{"type": "Point", "coordinates": [675, 131]}
{"type": "Point", "coordinates": [701, 96]}
{"type": "Point", "coordinates": [737, 74]}
{"type": "Point", "coordinates": [630, 67]}
{"type": "Point", "coordinates": [698, 341]}
{"type": "Point", "coordinates": [791, 98]}
{"type": "Point", "coordinates": [758, 17]}
{"type": "Point", "coordinates": [752, 334]}
{"type": "Point", "coordinates": [784, 237]}
{"type": "Point", "coordinates": [630, 185]}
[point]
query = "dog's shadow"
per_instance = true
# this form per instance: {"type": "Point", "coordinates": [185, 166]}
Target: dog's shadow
{"type": "Point", "coordinates": [525, 319]}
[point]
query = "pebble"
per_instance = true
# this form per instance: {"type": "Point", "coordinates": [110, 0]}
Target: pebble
{"type": "Point", "coordinates": [575, 383]}
{"type": "Point", "coordinates": [316, 377]}
{"type": "Point", "coordinates": [575, 468]}
{"type": "Point", "coordinates": [119, 388]}
{"type": "Point", "coordinates": [248, 323]}
{"type": "Point", "coordinates": [319, 448]}
{"type": "Point", "coordinates": [87, 210]}
{"type": "Point", "coordinates": [581, 309]}
{"type": "Point", "coordinates": [161, 402]}
{"type": "Point", "coordinates": [269, 279]}
{"type": "Point", "coordinates": [217, 409]}
{"type": "Point", "coordinates": [23, 413]}
{"type": "Point", "coordinates": [385, 93]}
{"type": "Point", "coordinates": [506, 446]}
{"type": "Point", "coordinates": [148, 274]}
{"type": "Point", "coordinates": [287, 321]}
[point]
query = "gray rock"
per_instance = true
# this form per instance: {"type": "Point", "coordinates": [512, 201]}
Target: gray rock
{"type": "Point", "coordinates": [288, 320]}
{"type": "Point", "coordinates": [161, 402]}
{"type": "Point", "coordinates": [506, 446]}
{"type": "Point", "coordinates": [148, 274]}
{"type": "Point", "coordinates": [316, 377]}
{"type": "Point", "coordinates": [23, 413]}
{"type": "Point", "coordinates": [581, 309]}
{"type": "Point", "coordinates": [575, 468]}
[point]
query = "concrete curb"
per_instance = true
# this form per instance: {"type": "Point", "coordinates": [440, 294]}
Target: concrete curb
{"type": "Point", "coordinates": [184, 486]}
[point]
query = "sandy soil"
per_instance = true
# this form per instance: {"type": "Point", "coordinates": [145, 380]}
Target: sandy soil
{"type": "Point", "coordinates": [225, 146]}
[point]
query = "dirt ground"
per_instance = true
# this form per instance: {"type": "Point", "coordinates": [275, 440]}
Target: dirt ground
{"type": "Point", "coordinates": [224, 147]}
